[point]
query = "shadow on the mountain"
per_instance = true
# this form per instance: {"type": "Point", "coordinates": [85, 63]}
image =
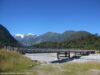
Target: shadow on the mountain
{"type": "Point", "coordinates": [65, 60]}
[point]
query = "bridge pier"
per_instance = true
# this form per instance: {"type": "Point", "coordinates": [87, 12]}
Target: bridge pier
{"type": "Point", "coordinates": [75, 54]}
{"type": "Point", "coordinates": [58, 55]}
{"type": "Point", "coordinates": [83, 53]}
{"type": "Point", "coordinates": [67, 54]}
{"type": "Point", "coordinates": [93, 52]}
{"type": "Point", "coordinates": [80, 53]}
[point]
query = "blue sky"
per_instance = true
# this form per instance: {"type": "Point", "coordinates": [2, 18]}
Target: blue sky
{"type": "Point", "coordinates": [40, 16]}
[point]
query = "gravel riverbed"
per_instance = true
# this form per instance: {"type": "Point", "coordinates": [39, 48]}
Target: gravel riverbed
{"type": "Point", "coordinates": [50, 57]}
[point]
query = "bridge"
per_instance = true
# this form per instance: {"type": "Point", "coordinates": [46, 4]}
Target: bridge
{"type": "Point", "coordinates": [65, 52]}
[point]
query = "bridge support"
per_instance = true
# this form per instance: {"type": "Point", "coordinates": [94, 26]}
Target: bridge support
{"type": "Point", "coordinates": [58, 56]}
{"type": "Point", "coordinates": [69, 55]}
{"type": "Point", "coordinates": [66, 54]}
{"type": "Point", "coordinates": [80, 53]}
{"type": "Point", "coordinates": [75, 54]}
{"type": "Point", "coordinates": [93, 52]}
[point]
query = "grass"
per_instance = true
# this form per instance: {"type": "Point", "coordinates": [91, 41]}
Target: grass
{"type": "Point", "coordinates": [98, 51]}
{"type": "Point", "coordinates": [82, 67]}
{"type": "Point", "coordinates": [88, 68]}
{"type": "Point", "coordinates": [13, 61]}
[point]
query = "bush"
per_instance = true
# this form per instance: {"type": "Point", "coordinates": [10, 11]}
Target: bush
{"type": "Point", "coordinates": [13, 61]}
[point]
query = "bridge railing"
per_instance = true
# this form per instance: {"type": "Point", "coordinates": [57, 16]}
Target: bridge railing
{"type": "Point", "coordinates": [37, 50]}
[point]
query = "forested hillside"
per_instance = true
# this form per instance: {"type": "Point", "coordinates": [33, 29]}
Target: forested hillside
{"type": "Point", "coordinates": [85, 42]}
{"type": "Point", "coordinates": [29, 40]}
{"type": "Point", "coordinates": [6, 38]}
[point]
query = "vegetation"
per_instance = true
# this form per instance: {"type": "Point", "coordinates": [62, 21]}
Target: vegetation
{"type": "Point", "coordinates": [28, 40]}
{"type": "Point", "coordinates": [6, 39]}
{"type": "Point", "coordinates": [86, 42]}
{"type": "Point", "coordinates": [14, 61]}
{"type": "Point", "coordinates": [11, 61]}
{"type": "Point", "coordinates": [89, 68]}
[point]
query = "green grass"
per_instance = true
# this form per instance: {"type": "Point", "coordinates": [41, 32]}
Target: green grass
{"type": "Point", "coordinates": [14, 61]}
{"type": "Point", "coordinates": [11, 61]}
{"type": "Point", "coordinates": [98, 51]}
{"type": "Point", "coordinates": [67, 69]}
{"type": "Point", "coordinates": [82, 67]}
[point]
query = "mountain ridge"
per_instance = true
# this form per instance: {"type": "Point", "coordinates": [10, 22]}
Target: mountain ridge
{"type": "Point", "coordinates": [6, 39]}
{"type": "Point", "coordinates": [50, 36]}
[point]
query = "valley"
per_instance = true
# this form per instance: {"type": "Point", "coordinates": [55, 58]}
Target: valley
{"type": "Point", "coordinates": [49, 37]}
{"type": "Point", "coordinates": [13, 62]}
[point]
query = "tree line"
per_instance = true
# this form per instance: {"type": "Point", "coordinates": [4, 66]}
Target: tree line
{"type": "Point", "coordinates": [86, 42]}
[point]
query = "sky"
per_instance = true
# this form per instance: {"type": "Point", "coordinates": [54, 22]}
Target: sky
{"type": "Point", "coordinates": [40, 16]}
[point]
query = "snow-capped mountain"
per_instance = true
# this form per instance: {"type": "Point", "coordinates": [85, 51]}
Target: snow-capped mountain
{"type": "Point", "coordinates": [30, 39]}
{"type": "Point", "coordinates": [24, 35]}
{"type": "Point", "coordinates": [25, 39]}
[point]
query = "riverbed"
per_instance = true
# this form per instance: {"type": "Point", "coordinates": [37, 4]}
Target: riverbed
{"type": "Point", "coordinates": [42, 57]}
{"type": "Point", "coordinates": [52, 57]}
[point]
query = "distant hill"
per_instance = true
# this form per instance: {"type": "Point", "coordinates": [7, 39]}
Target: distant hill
{"type": "Point", "coordinates": [70, 35]}
{"type": "Point", "coordinates": [6, 39]}
{"type": "Point", "coordinates": [49, 36]}
{"type": "Point", "coordinates": [28, 40]}
{"type": "Point", "coordinates": [85, 42]}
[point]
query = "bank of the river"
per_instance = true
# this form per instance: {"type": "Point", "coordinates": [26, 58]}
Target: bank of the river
{"type": "Point", "coordinates": [42, 57]}
{"type": "Point", "coordinates": [14, 61]}
{"type": "Point", "coordinates": [11, 63]}
{"type": "Point", "coordinates": [52, 57]}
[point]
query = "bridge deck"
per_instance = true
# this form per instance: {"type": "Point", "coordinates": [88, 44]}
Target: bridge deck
{"type": "Point", "coordinates": [66, 52]}
{"type": "Point", "coordinates": [26, 50]}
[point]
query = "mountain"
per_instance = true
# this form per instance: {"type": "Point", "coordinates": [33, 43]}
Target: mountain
{"type": "Point", "coordinates": [90, 42]}
{"type": "Point", "coordinates": [28, 40]}
{"type": "Point", "coordinates": [70, 35]}
{"type": "Point", "coordinates": [6, 39]}
{"type": "Point", "coordinates": [49, 36]}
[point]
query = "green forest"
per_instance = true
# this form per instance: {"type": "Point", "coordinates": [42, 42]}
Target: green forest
{"type": "Point", "coordinates": [6, 39]}
{"type": "Point", "coordinates": [90, 41]}
{"type": "Point", "coordinates": [79, 40]}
